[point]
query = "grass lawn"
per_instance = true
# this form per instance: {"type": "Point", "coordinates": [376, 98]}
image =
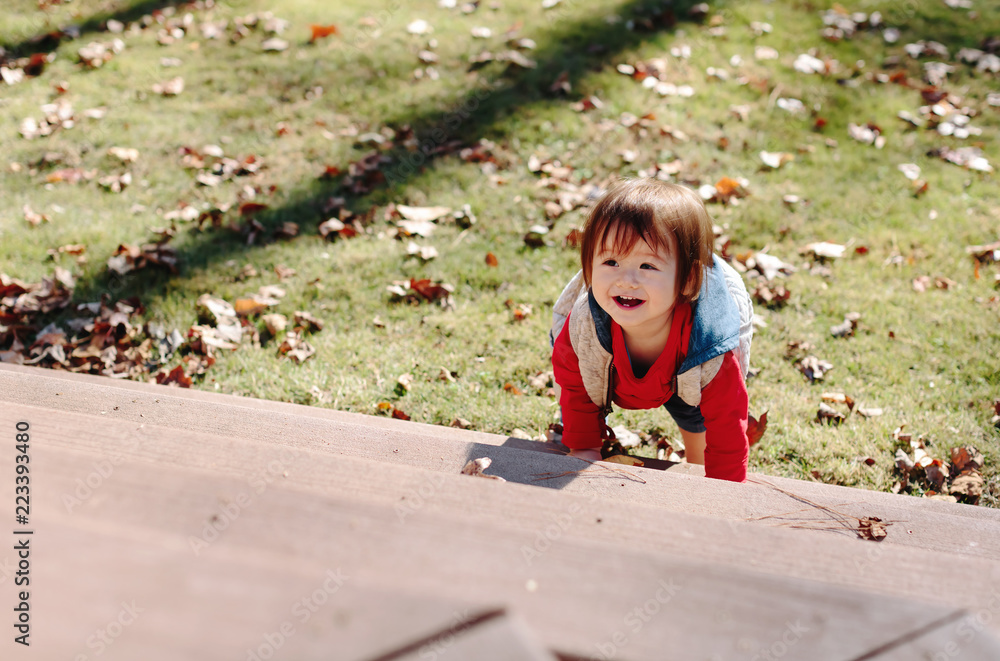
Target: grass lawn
{"type": "Point", "coordinates": [521, 113]}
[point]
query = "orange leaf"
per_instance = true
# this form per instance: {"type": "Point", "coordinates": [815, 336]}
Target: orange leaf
{"type": "Point", "coordinates": [384, 406]}
{"type": "Point", "coordinates": [491, 259]}
{"type": "Point", "coordinates": [512, 389]}
{"type": "Point", "coordinates": [320, 31]}
{"type": "Point", "coordinates": [726, 186]}
{"type": "Point", "coordinates": [399, 415]}
{"type": "Point", "coordinates": [248, 306]}
{"type": "Point", "coordinates": [756, 427]}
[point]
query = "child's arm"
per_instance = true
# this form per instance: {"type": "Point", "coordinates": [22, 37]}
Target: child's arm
{"type": "Point", "coordinates": [583, 424]}
{"type": "Point", "coordinates": [724, 405]}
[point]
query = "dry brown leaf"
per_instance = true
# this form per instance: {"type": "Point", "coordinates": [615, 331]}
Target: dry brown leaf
{"type": "Point", "coordinates": [756, 428]}
{"type": "Point", "coordinates": [872, 528]}
{"type": "Point", "coordinates": [838, 398]}
{"type": "Point", "coordinates": [829, 415]}
{"type": "Point", "coordinates": [813, 368]}
{"type": "Point", "coordinates": [477, 468]}
{"type": "Point", "coordinates": [968, 485]}
{"type": "Point", "coordinates": [175, 377]}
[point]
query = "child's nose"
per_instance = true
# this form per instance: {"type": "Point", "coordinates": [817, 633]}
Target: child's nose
{"type": "Point", "coordinates": [629, 278]}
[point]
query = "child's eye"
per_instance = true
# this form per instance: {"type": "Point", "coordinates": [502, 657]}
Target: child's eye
{"type": "Point", "coordinates": [610, 262]}
{"type": "Point", "coordinates": [648, 266]}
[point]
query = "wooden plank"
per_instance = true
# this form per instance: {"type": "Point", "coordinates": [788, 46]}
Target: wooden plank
{"type": "Point", "coordinates": [952, 528]}
{"type": "Point", "coordinates": [582, 597]}
{"type": "Point", "coordinates": [103, 591]}
{"type": "Point", "coordinates": [543, 514]}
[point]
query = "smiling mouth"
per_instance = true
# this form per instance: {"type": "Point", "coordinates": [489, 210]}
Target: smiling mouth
{"type": "Point", "coordinates": [628, 302]}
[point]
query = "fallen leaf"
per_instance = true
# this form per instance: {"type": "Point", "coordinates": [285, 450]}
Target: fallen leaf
{"type": "Point", "coordinates": [246, 307]}
{"type": "Point", "coordinates": [172, 87]}
{"type": "Point", "coordinates": [872, 528]}
{"type": "Point", "coordinates": [824, 250]}
{"type": "Point", "coordinates": [756, 428]}
{"type": "Point", "coordinates": [321, 32]}
{"type": "Point", "coordinates": [968, 485]}
{"type": "Point", "coordinates": [422, 228]}
{"type": "Point", "coordinates": [512, 389]}
{"type": "Point", "coordinates": [624, 459]}
{"type": "Point", "coordinates": [307, 322]}
{"type": "Point", "coordinates": [773, 296]}
{"type": "Point", "coordinates": [477, 468]}
{"type": "Point", "coordinates": [114, 183]}
{"type": "Point", "coordinates": [522, 311]}
{"type": "Point", "coordinates": [849, 325]}
{"type": "Point", "coordinates": [491, 259]}
{"type": "Point", "coordinates": [274, 45]}
{"type": "Point", "coordinates": [775, 160]}
{"type": "Point", "coordinates": [966, 457]}
{"type": "Point", "coordinates": [175, 377]}
{"type": "Point", "coordinates": [813, 368]}
{"type": "Point", "coordinates": [936, 473]}
{"type": "Point", "coordinates": [425, 253]}
{"type": "Point", "coordinates": [275, 323]}
{"type": "Point", "coordinates": [838, 398]}
{"type": "Point", "coordinates": [535, 237]}
{"type": "Point", "coordinates": [296, 348]}
{"type": "Point", "coordinates": [34, 219]}
{"type": "Point", "coordinates": [419, 26]}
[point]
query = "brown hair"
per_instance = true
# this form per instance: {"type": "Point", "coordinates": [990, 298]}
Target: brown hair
{"type": "Point", "coordinates": [655, 212]}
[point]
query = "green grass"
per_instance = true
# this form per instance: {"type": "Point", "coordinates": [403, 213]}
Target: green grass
{"type": "Point", "coordinates": [236, 96]}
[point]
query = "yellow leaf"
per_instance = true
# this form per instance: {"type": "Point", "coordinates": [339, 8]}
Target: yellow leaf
{"type": "Point", "coordinates": [624, 459]}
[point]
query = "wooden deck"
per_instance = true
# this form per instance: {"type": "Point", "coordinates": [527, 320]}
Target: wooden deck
{"type": "Point", "coordinates": [177, 524]}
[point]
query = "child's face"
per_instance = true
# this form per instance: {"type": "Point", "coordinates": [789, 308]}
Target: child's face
{"type": "Point", "coordinates": [638, 288]}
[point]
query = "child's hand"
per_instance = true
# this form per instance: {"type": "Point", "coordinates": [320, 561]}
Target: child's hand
{"type": "Point", "coordinates": [590, 454]}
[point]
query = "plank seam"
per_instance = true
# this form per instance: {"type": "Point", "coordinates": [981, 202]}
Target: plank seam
{"type": "Point", "coordinates": [910, 635]}
{"type": "Point", "coordinates": [453, 630]}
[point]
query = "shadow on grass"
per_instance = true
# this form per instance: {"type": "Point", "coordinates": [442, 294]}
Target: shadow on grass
{"type": "Point", "coordinates": [572, 49]}
{"type": "Point", "coordinates": [44, 40]}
